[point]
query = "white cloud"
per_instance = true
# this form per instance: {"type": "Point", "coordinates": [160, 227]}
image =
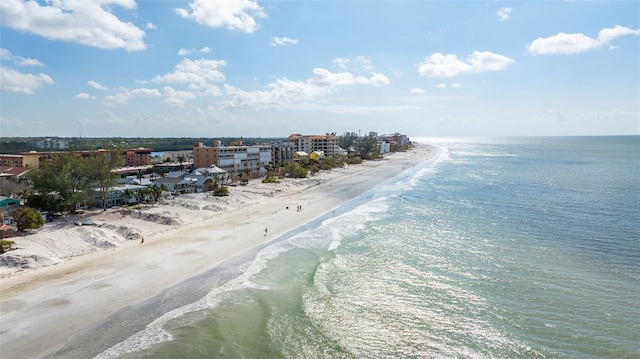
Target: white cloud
{"type": "Point", "coordinates": [418, 91]}
{"type": "Point", "coordinates": [376, 80]}
{"type": "Point", "coordinates": [565, 44]}
{"type": "Point", "coordinates": [284, 91]}
{"type": "Point", "coordinates": [145, 92]}
{"type": "Point", "coordinates": [122, 98]}
{"type": "Point", "coordinates": [83, 96]}
{"type": "Point", "coordinates": [326, 77]}
{"type": "Point", "coordinates": [21, 61]}
{"type": "Point", "coordinates": [207, 89]}
{"type": "Point", "coordinates": [280, 41]}
{"type": "Point", "coordinates": [151, 26]}
{"type": "Point", "coordinates": [365, 62]}
{"type": "Point", "coordinates": [194, 71]}
{"type": "Point", "coordinates": [14, 81]}
{"type": "Point", "coordinates": [5, 54]}
{"type": "Point", "coordinates": [176, 98]}
{"type": "Point", "coordinates": [438, 65]}
{"type": "Point", "coordinates": [204, 50]}
{"type": "Point", "coordinates": [454, 85]}
{"type": "Point", "coordinates": [341, 62]}
{"type": "Point", "coordinates": [89, 23]}
{"type": "Point", "coordinates": [504, 13]}
{"type": "Point", "coordinates": [232, 14]}
{"type": "Point", "coordinates": [96, 85]}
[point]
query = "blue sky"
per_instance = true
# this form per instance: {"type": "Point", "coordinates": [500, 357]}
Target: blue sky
{"type": "Point", "coordinates": [216, 68]}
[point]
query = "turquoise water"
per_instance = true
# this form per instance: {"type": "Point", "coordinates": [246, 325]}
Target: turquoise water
{"type": "Point", "coordinates": [499, 248]}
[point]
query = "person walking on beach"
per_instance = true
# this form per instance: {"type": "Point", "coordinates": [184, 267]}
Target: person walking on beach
{"type": "Point", "coordinates": [141, 240]}
{"type": "Point", "coordinates": [265, 232]}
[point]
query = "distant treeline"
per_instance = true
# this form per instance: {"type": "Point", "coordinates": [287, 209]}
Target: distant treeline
{"type": "Point", "coordinates": [15, 145]}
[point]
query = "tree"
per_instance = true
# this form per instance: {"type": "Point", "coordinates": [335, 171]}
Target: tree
{"type": "Point", "coordinates": [156, 191]}
{"type": "Point", "coordinates": [216, 180]}
{"type": "Point", "coordinates": [348, 140]}
{"type": "Point", "coordinates": [295, 170]}
{"type": "Point", "coordinates": [143, 193]}
{"type": "Point", "coordinates": [10, 187]}
{"type": "Point", "coordinates": [59, 185]}
{"type": "Point", "coordinates": [98, 172]}
{"type": "Point", "coordinates": [27, 218]}
{"type": "Point", "coordinates": [126, 195]}
{"type": "Point", "coordinates": [6, 245]}
{"type": "Point", "coordinates": [368, 147]}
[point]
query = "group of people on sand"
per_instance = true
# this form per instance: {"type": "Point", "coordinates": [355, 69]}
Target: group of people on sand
{"type": "Point", "coordinates": [298, 209]}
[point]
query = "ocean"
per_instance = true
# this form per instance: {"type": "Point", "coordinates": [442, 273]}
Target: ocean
{"type": "Point", "coordinates": [497, 248]}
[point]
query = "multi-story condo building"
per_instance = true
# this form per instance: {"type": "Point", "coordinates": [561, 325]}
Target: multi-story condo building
{"type": "Point", "coordinates": [11, 160]}
{"type": "Point", "coordinates": [282, 153]}
{"type": "Point", "coordinates": [137, 157]}
{"type": "Point", "coordinates": [234, 159]}
{"type": "Point", "coordinates": [326, 143]}
{"type": "Point", "coordinates": [132, 157]}
{"type": "Point", "coordinates": [54, 143]}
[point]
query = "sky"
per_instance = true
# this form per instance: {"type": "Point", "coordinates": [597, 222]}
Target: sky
{"type": "Point", "coordinates": [230, 68]}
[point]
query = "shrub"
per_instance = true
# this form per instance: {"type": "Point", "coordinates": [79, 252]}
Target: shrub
{"type": "Point", "coordinates": [6, 245]}
{"type": "Point", "coordinates": [270, 179]}
{"type": "Point", "coordinates": [27, 218]}
{"type": "Point", "coordinates": [296, 171]}
{"type": "Point", "coordinates": [221, 191]}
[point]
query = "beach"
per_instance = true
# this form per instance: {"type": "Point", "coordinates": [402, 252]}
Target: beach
{"type": "Point", "coordinates": [86, 268]}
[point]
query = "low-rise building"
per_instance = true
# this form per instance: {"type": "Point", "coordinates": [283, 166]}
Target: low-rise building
{"type": "Point", "coordinates": [11, 160]}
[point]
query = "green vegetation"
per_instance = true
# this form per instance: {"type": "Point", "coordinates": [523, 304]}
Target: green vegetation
{"type": "Point", "coordinates": [15, 145]}
{"type": "Point", "coordinates": [69, 180]}
{"type": "Point", "coordinates": [221, 191]}
{"type": "Point", "coordinates": [27, 218]}
{"type": "Point", "coordinates": [270, 179]}
{"type": "Point", "coordinates": [366, 147]}
{"type": "Point", "coordinates": [295, 170]}
{"type": "Point", "coordinates": [6, 245]}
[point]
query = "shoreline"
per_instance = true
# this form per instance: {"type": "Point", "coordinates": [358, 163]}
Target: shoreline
{"type": "Point", "coordinates": [43, 308]}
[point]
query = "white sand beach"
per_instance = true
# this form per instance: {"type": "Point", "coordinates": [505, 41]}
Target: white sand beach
{"type": "Point", "coordinates": [68, 277]}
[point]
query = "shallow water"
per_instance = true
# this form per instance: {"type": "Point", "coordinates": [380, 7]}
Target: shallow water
{"type": "Point", "coordinates": [525, 247]}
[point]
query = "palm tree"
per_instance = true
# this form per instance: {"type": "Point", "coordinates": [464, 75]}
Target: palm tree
{"type": "Point", "coordinates": [155, 192]}
{"type": "Point", "coordinates": [215, 181]}
{"type": "Point", "coordinates": [142, 194]}
{"type": "Point", "coordinates": [126, 195]}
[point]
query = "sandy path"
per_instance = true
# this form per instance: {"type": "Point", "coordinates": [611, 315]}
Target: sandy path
{"type": "Point", "coordinates": [40, 310]}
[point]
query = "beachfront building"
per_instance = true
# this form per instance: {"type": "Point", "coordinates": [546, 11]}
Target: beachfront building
{"type": "Point", "coordinates": [385, 147]}
{"type": "Point", "coordinates": [116, 197]}
{"type": "Point", "coordinates": [233, 159]}
{"type": "Point", "coordinates": [326, 143]}
{"type": "Point", "coordinates": [316, 155]}
{"type": "Point", "coordinates": [282, 153]}
{"type": "Point", "coordinates": [396, 139]}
